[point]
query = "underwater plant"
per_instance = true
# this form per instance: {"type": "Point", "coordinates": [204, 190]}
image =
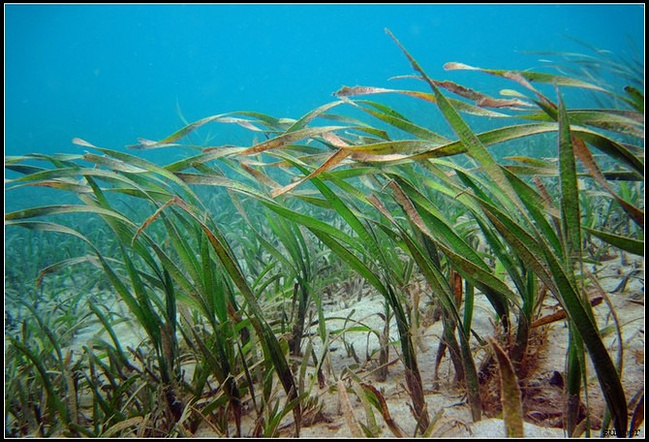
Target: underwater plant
{"type": "Point", "coordinates": [211, 294]}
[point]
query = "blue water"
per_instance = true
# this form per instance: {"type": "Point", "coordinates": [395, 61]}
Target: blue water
{"type": "Point", "coordinates": [110, 74]}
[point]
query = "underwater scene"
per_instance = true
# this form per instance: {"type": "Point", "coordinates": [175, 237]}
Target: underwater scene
{"type": "Point", "coordinates": [284, 220]}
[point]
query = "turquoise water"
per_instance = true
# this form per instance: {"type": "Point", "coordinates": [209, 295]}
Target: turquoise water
{"type": "Point", "coordinates": [110, 74]}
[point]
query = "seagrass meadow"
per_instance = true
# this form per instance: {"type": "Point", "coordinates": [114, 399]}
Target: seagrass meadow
{"type": "Point", "coordinates": [225, 292]}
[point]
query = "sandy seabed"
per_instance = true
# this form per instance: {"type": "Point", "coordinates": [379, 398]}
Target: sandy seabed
{"type": "Point", "coordinates": [447, 404]}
